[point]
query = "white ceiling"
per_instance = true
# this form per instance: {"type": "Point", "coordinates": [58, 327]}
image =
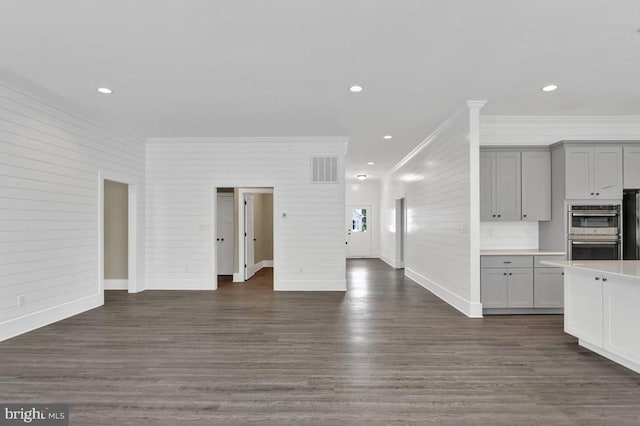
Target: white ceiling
{"type": "Point", "coordinates": [283, 67]}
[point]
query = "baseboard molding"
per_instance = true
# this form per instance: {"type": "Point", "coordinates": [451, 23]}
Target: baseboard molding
{"type": "Point", "coordinates": [472, 310]}
{"type": "Point", "coordinates": [178, 284]}
{"type": "Point", "coordinates": [238, 277]}
{"type": "Point", "coordinates": [116, 284]}
{"type": "Point", "coordinates": [20, 325]}
{"type": "Point", "coordinates": [311, 285]}
{"type": "Point", "coordinates": [389, 261]}
{"type": "Point", "coordinates": [265, 264]}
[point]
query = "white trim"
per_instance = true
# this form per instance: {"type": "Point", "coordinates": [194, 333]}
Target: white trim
{"type": "Point", "coordinates": [311, 285]}
{"type": "Point", "coordinates": [116, 284]}
{"type": "Point", "coordinates": [472, 310]}
{"type": "Point", "coordinates": [390, 262]}
{"type": "Point", "coordinates": [185, 284]}
{"type": "Point", "coordinates": [238, 277]}
{"type": "Point", "coordinates": [474, 201]}
{"type": "Point", "coordinates": [20, 325]}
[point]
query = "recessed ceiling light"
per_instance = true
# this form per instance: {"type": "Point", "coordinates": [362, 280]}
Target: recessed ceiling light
{"type": "Point", "coordinates": [356, 89]}
{"type": "Point", "coordinates": [105, 90]}
{"type": "Point", "coordinates": [371, 163]}
{"type": "Point", "coordinates": [361, 177]}
{"type": "Point", "coordinates": [387, 137]}
{"type": "Point", "coordinates": [550, 88]}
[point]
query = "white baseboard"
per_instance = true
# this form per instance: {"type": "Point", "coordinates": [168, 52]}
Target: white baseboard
{"type": "Point", "coordinates": [265, 264]}
{"type": "Point", "coordinates": [472, 310]}
{"type": "Point", "coordinates": [311, 285]}
{"type": "Point", "coordinates": [34, 320]}
{"type": "Point", "coordinates": [178, 284]}
{"type": "Point", "coordinates": [612, 356]}
{"type": "Point", "coordinates": [116, 284]}
{"type": "Point", "coordinates": [238, 277]}
{"type": "Point", "coordinates": [390, 262]}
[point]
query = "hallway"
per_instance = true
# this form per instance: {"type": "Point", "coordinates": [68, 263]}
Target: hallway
{"type": "Point", "coordinates": [387, 351]}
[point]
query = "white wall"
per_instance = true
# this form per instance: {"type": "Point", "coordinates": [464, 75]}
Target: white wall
{"type": "Point", "coordinates": [366, 193]}
{"type": "Point", "coordinates": [50, 160]}
{"type": "Point", "coordinates": [441, 181]}
{"type": "Point", "coordinates": [309, 250]}
{"type": "Point", "coordinates": [546, 130]}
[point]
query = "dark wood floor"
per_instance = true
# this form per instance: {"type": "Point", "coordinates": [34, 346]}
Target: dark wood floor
{"type": "Point", "coordinates": [386, 352]}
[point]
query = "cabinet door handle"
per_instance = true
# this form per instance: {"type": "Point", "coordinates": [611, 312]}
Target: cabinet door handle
{"type": "Point", "coordinates": [506, 262]}
{"type": "Point", "coordinates": [597, 278]}
{"type": "Point", "coordinates": [597, 193]}
{"type": "Point", "coordinates": [561, 273]}
{"type": "Point", "coordinates": [504, 273]}
{"type": "Point", "coordinates": [592, 193]}
{"type": "Point", "coordinates": [494, 215]}
{"type": "Point", "coordinates": [510, 273]}
{"type": "Point", "coordinates": [499, 216]}
{"type": "Point", "coordinates": [524, 215]}
{"type": "Point", "coordinates": [604, 279]}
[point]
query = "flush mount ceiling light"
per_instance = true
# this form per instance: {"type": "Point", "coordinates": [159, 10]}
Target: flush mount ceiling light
{"type": "Point", "coordinates": [371, 163]}
{"type": "Point", "coordinates": [105, 90]}
{"type": "Point", "coordinates": [361, 177]}
{"type": "Point", "coordinates": [387, 137]}
{"type": "Point", "coordinates": [356, 89]}
{"type": "Point", "coordinates": [550, 88]}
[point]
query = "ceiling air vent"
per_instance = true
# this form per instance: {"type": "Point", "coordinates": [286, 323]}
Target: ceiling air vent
{"type": "Point", "coordinates": [324, 169]}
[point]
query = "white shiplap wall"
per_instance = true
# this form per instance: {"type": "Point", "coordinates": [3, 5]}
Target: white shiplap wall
{"type": "Point", "coordinates": [440, 181]}
{"type": "Point", "coordinates": [366, 193]}
{"type": "Point", "coordinates": [309, 249]}
{"type": "Point", "coordinates": [50, 160]}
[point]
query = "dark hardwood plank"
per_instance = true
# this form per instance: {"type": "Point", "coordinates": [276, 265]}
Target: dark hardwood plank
{"type": "Point", "coordinates": [385, 352]}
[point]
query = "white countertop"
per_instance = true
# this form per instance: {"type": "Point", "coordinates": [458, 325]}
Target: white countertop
{"type": "Point", "coordinates": [521, 252]}
{"type": "Point", "coordinates": [629, 269]}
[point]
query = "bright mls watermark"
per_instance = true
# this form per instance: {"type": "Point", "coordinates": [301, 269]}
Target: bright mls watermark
{"type": "Point", "coordinates": [34, 414]}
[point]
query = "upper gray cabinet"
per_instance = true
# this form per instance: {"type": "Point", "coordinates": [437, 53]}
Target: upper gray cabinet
{"type": "Point", "coordinates": [631, 179]}
{"type": "Point", "coordinates": [536, 185]}
{"type": "Point", "coordinates": [500, 187]}
{"type": "Point", "coordinates": [515, 185]}
{"type": "Point", "coordinates": [593, 172]}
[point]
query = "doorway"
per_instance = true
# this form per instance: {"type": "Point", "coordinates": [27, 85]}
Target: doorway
{"type": "Point", "coordinates": [401, 232]}
{"type": "Point", "coordinates": [359, 230]}
{"type": "Point", "coordinates": [117, 268]}
{"type": "Point", "coordinates": [244, 236]}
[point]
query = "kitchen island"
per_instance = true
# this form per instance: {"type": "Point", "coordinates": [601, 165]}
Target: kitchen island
{"type": "Point", "coordinates": [602, 307]}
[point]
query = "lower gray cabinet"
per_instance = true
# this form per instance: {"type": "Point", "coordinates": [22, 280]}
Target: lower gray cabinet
{"type": "Point", "coordinates": [549, 288]}
{"type": "Point", "coordinates": [506, 288]}
{"type": "Point", "coordinates": [493, 283]}
{"type": "Point", "coordinates": [520, 288]}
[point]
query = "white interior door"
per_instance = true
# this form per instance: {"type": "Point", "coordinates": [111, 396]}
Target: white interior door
{"type": "Point", "coordinates": [359, 231]}
{"type": "Point", "coordinates": [224, 234]}
{"type": "Point", "coordinates": [249, 264]}
{"type": "Point", "coordinates": [401, 230]}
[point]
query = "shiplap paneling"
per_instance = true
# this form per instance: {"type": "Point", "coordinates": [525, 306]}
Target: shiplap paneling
{"type": "Point", "coordinates": [437, 180]}
{"type": "Point", "coordinates": [366, 193]}
{"type": "Point", "coordinates": [309, 250]}
{"type": "Point", "coordinates": [50, 161]}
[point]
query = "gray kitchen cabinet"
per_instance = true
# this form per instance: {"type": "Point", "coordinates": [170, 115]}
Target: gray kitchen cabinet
{"type": "Point", "coordinates": [487, 171]}
{"type": "Point", "coordinates": [520, 288]}
{"type": "Point", "coordinates": [549, 288]}
{"type": "Point", "coordinates": [607, 172]}
{"type": "Point", "coordinates": [631, 167]}
{"type": "Point", "coordinates": [508, 186]}
{"type": "Point", "coordinates": [593, 172]}
{"type": "Point", "coordinates": [579, 174]}
{"type": "Point", "coordinates": [493, 284]}
{"type": "Point", "coordinates": [536, 185]}
{"type": "Point", "coordinates": [500, 186]}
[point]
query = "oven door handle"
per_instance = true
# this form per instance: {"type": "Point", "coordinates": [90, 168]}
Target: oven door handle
{"type": "Point", "coordinates": [608, 214]}
{"type": "Point", "coordinates": [593, 243]}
